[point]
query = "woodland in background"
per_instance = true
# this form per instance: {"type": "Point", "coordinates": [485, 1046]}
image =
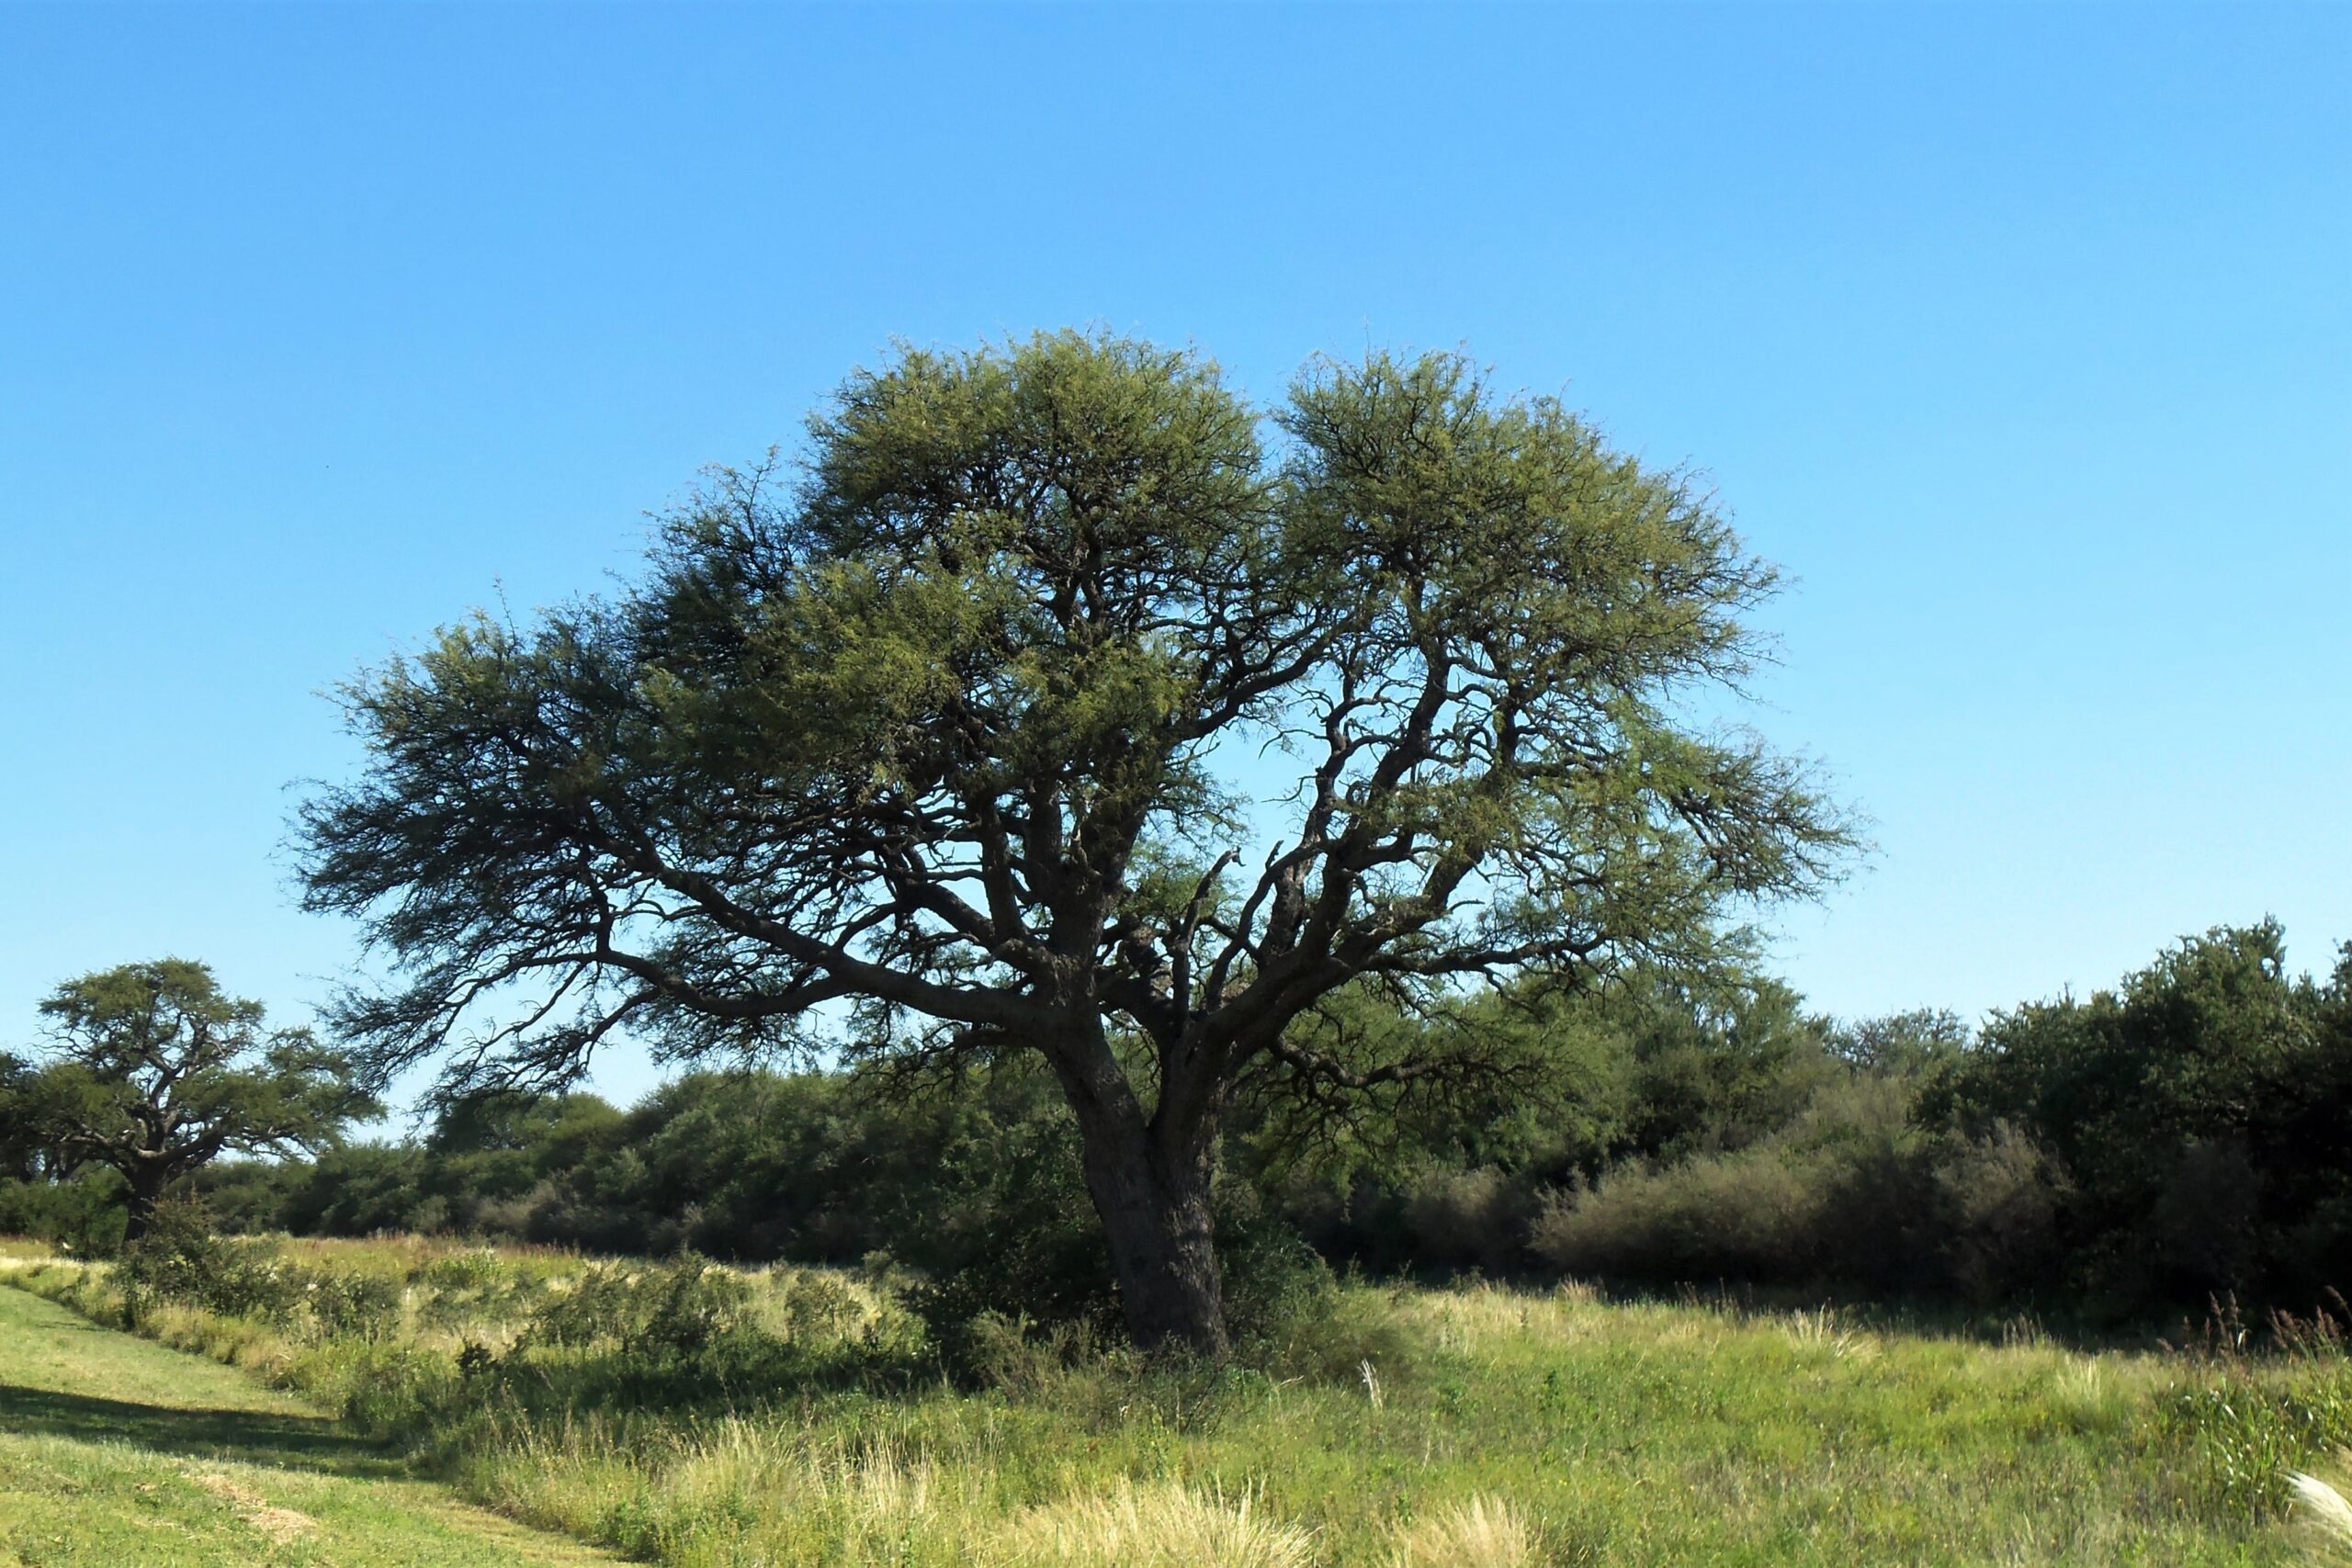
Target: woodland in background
{"type": "Point", "coordinates": [2123, 1157]}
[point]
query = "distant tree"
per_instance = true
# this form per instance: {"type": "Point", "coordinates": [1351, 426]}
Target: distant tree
{"type": "Point", "coordinates": [23, 1156]}
{"type": "Point", "coordinates": [1721, 1060]}
{"type": "Point", "coordinates": [153, 1072]}
{"type": "Point", "coordinates": [1919, 1040]}
{"type": "Point", "coordinates": [948, 751]}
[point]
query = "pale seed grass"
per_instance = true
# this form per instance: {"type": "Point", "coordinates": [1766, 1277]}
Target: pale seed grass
{"type": "Point", "coordinates": [1823, 1329]}
{"type": "Point", "coordinates": [2326, 1516]}
{"type": "Point", "coordinates": [1483, 1532]}
{"type": "Point", "coordinates": [736, 1491]}
{"type": "Point", "coordinates": [1464, 1318]}
{"type": "Point", "coordinates": [1158, 1525]}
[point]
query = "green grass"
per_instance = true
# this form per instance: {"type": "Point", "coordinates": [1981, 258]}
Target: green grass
{"type": "Point", "coordinates": [1471, 1429]}
{"type": "Point", "coordinates": [116, 1451]}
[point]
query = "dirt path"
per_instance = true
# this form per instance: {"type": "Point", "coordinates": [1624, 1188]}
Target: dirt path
{"type": "Point", "coordinates": [115, 1452]}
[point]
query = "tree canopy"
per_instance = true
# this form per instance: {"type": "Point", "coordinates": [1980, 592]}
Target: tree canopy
{"type": "Point", "coordinates": [1060, 701]}
{"type": "Point", "coordinates": [153, 1072]}
{"type": "Point", "coordinates": [2202, 1108]}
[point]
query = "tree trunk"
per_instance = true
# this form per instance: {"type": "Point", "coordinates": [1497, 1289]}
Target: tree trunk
{"type": "Point", "coordinates": [144, 1196]}
{"type": "Point", "coordinates": [1154, 1203]}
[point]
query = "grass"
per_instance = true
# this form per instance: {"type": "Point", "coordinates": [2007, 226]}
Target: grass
{"type": "Point", "coordinates": [2326, 1518]}
{"type": "Point", "coordinates": [114, 1451]}
{"type": "Point", "coordinates": [1479, 1427]}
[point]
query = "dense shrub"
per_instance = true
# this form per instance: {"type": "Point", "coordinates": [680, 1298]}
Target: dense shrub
{"type": "Point", "coordinates": [349, 1304]}
{"type": "Point", "coordinates": [2199, 1115]}
{"type": "Point", "coordinates": [1999, 1201]}
{"type": "Point", "coordinates": [181, 1259]}
{"type": "Point", "coordinates": [1753, 1214]}
{"type": "Point", "coordinates": [84, 1215]}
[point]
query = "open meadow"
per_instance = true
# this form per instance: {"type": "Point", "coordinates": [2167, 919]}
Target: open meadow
{"type": "Point", "coordinates": [115, 1451]}
{"type": "Point", "coordinates": [681, 1413]}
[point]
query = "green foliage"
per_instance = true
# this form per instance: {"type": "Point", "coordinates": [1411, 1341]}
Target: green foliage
{"type": "Point", "coordinates": [661, 1311]}
{"type": "Point", "coordinates": [2248, 1435]}
{"type": "Point", "coordinates": [359, 1189]}
{"type": "Point", "coordinates": [1655, 1131]}
{"type": "Point", "coordinates": [84, 1214]}
{"type": "Point", "coordinates": [942, 731]}
{"type": "Point", "coordinates": [1851, 1198]}
{"type": "Point", "coordinates": [155, 1072]}
{"type": "Point", "coordinates": [1650, 1067]}
{"type": "Point", "coordinates": [2202, 1114]}
{"type": "Point", "coordinates": [351, 1305]}
{"type": "Point", "coordinates": [180, 1259]}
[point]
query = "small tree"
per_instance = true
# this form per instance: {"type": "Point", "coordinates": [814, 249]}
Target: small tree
{"type": "Point", "coordinates": [948, 750]}
{"type": "Point", "coordinates": [153, 1072]}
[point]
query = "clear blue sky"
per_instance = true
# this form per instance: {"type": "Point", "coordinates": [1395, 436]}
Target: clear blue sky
{"type": "Point", "coordinates": [2021, 336]}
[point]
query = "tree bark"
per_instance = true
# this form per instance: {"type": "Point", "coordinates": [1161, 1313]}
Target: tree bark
{"type": "Point", "coordinates": [1151, 1191]}
{"type": "Point", "coordinates": [1154, 1203]}
{"type": "Point", "coordinates": [144, 1196]}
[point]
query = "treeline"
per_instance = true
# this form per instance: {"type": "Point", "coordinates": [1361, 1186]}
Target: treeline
{"type": "Point", "coordinates": [2131, 1155]}
{"type": "Point", "coordinates": [2124, 1156]}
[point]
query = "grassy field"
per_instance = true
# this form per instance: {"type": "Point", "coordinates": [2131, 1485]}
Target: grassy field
{"type": "Point", "coordinates": [116, 1451]}
{"type": "Point", "coordinates": [799, 1416]}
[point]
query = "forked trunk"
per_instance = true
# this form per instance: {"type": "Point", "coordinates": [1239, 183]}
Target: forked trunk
{"type": "Point", "coordinates": [1155, 1207]}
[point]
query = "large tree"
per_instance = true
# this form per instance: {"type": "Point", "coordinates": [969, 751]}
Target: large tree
{"type": "Point", "coordinates": [154, 1072]}
{"type": "Point", "coordinates": [1061, 701]}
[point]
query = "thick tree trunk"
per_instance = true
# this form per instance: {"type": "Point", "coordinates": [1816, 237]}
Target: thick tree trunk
{"type": "Point", "coordinates": [144, 1196]}
{"type": "Point", "coordinates": [1155, 1207]}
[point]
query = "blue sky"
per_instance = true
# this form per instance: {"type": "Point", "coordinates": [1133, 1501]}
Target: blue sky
{"type": "Point", "coordinates": [2021, 336]}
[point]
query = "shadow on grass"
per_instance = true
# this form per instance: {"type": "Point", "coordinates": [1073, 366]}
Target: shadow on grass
{"type": "Point", "coordinates": [288, 1441]}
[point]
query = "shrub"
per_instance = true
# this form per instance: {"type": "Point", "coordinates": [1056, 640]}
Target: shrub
{"type": "Point", "coordinates": [813, 1306]}
{"type": "Point", "coordinates": [1023, 1359]}
{"type": "Point", "coordinates": [2002, 1201]}
{"type": "Point", "coordinates": [2202, 1111]}
{"type": "Point", "coordinates": [180, 1259]}
{"type": "Point", "coordinates": [1755, 1215]}
{"type": "Point", "coordinates": [598, 1304]}
{"type": "Point", "coordinates": [684, 1306]}
{"type": "Point", "coordinates": [84, 1216]}
{"type": "Point", "coordinates": [348, 1303]}
{"type": "Point", "coordinates": [1474, 1219]}
{"type": "Point", "coordinates": [477, 1268]}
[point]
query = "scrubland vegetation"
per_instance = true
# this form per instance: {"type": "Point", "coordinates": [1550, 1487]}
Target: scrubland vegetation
{"type": "Point", "coordinates": [2087, 1258]}
{"type": "Point", "coordinates": [2116, 1163]}
{"type": "Point", "coordinates": [689, 1413]}
{"type": "Point", "coordinates": [1452, 1187]}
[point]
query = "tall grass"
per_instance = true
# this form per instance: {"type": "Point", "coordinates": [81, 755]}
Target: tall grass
{"type": "Point", "coordinates": [1161, 1524]}
{"type": "Point", "coordinates": [1480, 1532]}
{"type": "Point", "coordinates": [697, 1416]}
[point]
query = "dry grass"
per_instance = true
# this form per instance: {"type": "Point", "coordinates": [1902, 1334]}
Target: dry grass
{"type": "Point", "coordinates": [282, 1526]}
{"type": "Point", "coordinates": [1158, 1525]}
{"type": "Point", "coordinates": [1484, 1532]}
{"type": "Point", "coordinates": [2326, 1518]}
